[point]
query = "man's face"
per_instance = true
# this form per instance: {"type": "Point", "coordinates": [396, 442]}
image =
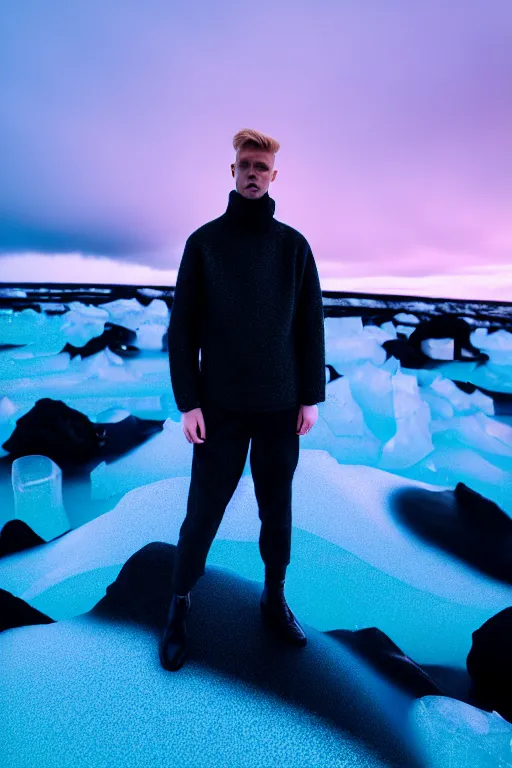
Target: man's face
{"type": "Point", "coordinates": [253, 166]}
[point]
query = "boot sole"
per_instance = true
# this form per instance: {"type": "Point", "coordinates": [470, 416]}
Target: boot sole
{"type": "Point", "coordinates": [270, 622]}
{"type": "Point", "coordinates": [170, 667]}
{"type": "Point", "coordinates": [180, 647]}
{"type": "Point", "coordinates": [181, 655]}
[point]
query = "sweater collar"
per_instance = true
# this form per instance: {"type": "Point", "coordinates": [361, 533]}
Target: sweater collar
{"type": "Point", "coordinates": [254, 213]}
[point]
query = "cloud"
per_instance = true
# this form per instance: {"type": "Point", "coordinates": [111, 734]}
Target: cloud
{"type": "Point", "coordinates": [21, 236]}
{"type": "Point", "coordinates": [395, 123]}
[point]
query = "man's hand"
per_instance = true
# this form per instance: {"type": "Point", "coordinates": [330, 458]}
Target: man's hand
{"type": "Point", "coordinates": [192, 423]}
{"type": "Point", "coordinates": [308, 414]}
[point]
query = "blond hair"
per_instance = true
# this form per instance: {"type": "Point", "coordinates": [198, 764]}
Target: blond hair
{"type": "Point", "coordinates": [250, 139]}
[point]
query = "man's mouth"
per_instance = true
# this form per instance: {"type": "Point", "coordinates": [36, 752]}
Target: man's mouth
{"type": "Point", "coordinates": [252, 186]}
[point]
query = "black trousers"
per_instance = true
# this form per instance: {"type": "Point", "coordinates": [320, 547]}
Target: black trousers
{"type": "Point", "coordinates": [217, 466]}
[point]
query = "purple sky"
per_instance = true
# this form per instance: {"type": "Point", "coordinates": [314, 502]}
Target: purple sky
{"type": "Point", "coordinates": [394, 118]}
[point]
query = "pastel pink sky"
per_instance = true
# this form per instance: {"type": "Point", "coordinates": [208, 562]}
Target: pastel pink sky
{"type": "Point", "coordinates": [394, 118]}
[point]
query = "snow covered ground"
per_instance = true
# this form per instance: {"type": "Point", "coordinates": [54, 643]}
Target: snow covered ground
{"type": "Point", "coordinates": [389, 437]}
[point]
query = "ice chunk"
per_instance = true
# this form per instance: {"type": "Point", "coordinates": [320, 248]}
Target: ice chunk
{"type": "Point", "coordinates": [83, 323]}
{"type": "Point", "coordinates": [454, 464]}
{"type": "Point", "coordinates": [37, 486]}
{"type": "Point", "coordinates": [389, 328]}
{"type": "Point", "coordinates": [7, 411]}
{"type": "Point", "coordinates": [384, 398]}
{"type": "Point", "coordinates": [412, 441]}
{"type": "Point", "coordinates": [336, 327]}
{"type": "Point", "coordinates": [438, 349]}
{"type": "Point", "coordinates": [108, 366]}
{"type": "Point", "coordinates": [404, 317]}
{"type": "Point", "coordinates": [343, 415]}
{"type": "Point", "coordinates": [406, 394]}
{"type": "Point", "coordinates": [347, 350]}
{"type": "Point", "coordinates": [497, 345]}
{"type": "Point", "coordinates": [440, 407]}
{"type": "Point", "coordinates": [405, 329]}
{"type": "Point", "coordinates": [379, 334]}
{"type": "Point", "coordinates": [463, 401]}
{"type": "Point", "coordinates": [150, 336]}
{"type": "Point", "coordinates": [32, 366]}
{"type": "Point", "coordinates": [453, 733]}
{"type": "Point", "coordinates": [499, 430]}
{"type": "Point", "coordinates": [129, 313]}
{"type": "Point", "coordinates": [372, 390]}
{"type": "Point", "coordinates": [112, 415]}
{"type": "Point", "coordinates": [476, 431]}
{"type": "Point", "coordinates": [21, 327]}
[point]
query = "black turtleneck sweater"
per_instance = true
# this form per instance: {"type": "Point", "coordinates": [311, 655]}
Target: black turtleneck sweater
{"type": "Point", "coordinates": [248, 298]}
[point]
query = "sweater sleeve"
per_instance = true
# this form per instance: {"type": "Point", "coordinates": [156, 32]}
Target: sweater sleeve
{"type": "Point", "coordinates": [184, 331]}
{"type": "Point", "coordinates": [310, 336]}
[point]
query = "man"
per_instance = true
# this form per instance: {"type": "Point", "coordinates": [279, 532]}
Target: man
{"type": "Point", "coordinates": [247, 297]}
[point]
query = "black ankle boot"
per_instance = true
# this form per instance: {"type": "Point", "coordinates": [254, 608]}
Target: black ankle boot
{"type": "Point", "coordinates": [273, 589]}
{"type": "Point", "coordinates": [277, 612]}
{"type": "Point", "coordinates": [173, 647]}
